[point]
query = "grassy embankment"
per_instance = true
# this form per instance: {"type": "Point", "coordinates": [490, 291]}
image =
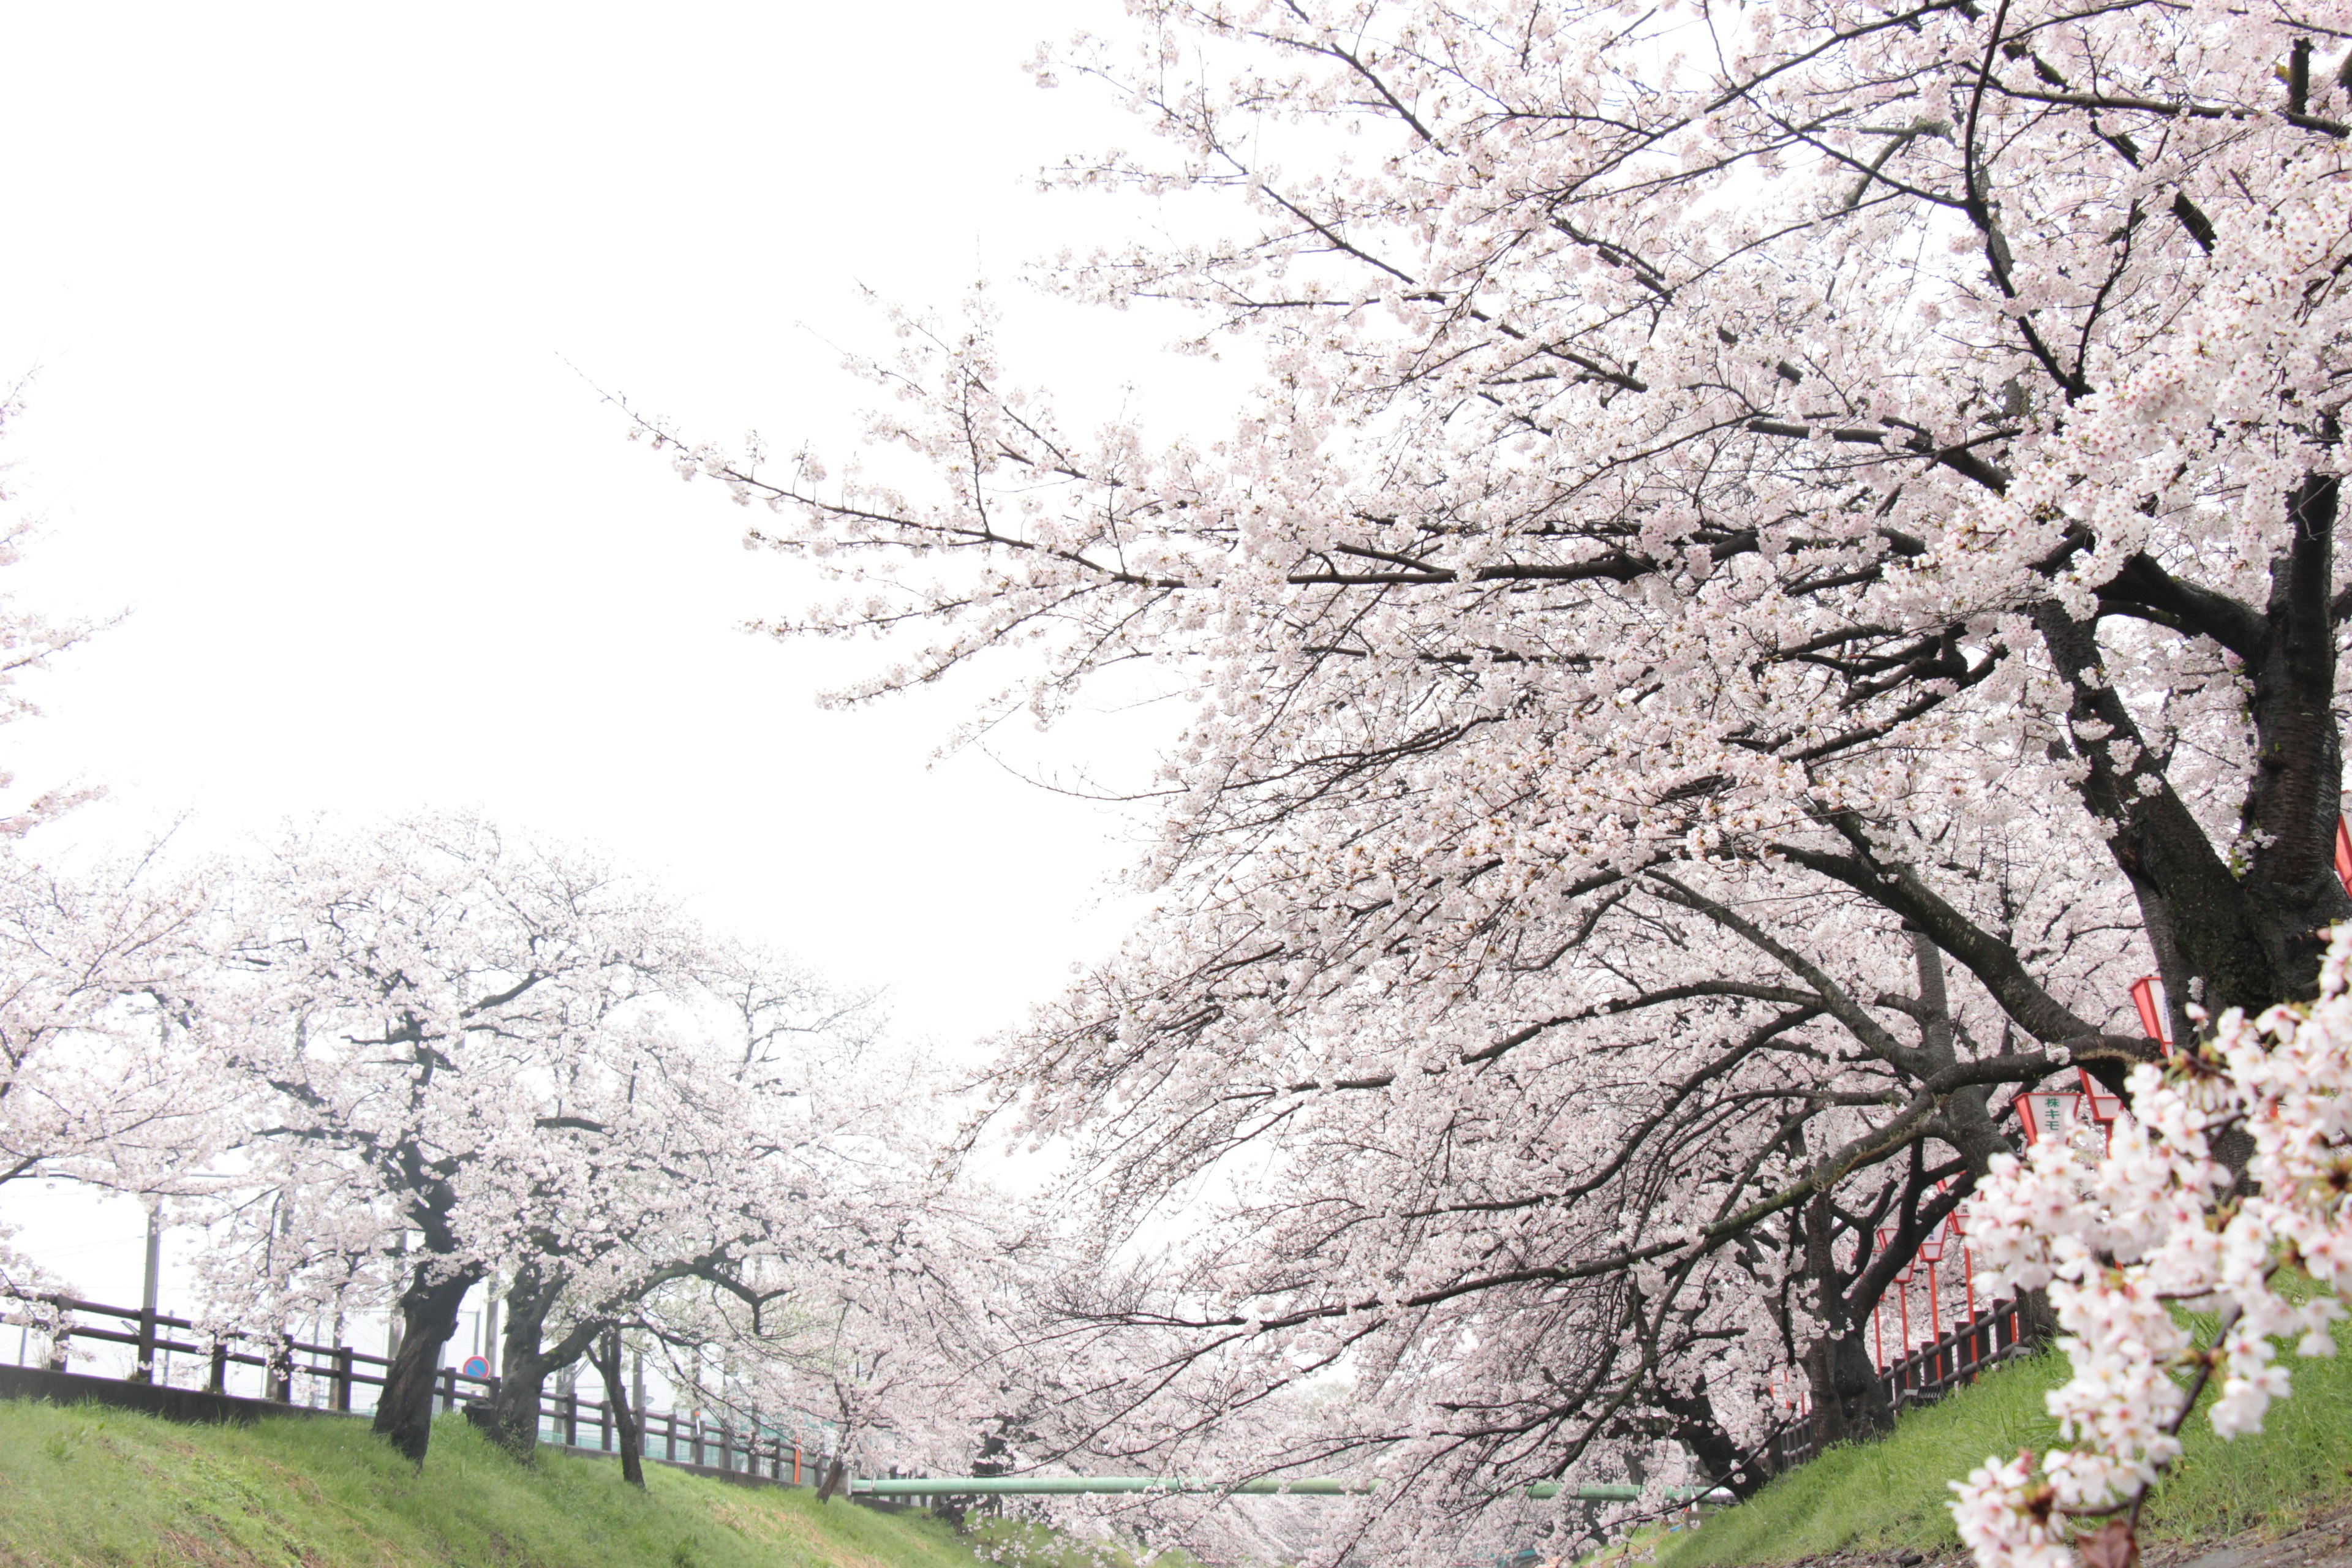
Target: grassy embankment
{"type": "Point", "coordinates": [87, 1485]}
{"type": "Point", "coordinates": [1892, 1494]}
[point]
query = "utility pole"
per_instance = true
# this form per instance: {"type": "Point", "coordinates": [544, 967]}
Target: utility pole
{"type": "Point", "coordinates": [392, 1319]}
{"type": "Point", "coordinates": [148, 1294]}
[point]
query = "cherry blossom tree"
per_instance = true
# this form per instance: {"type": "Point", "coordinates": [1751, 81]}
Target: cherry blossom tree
{"type": "Point", "coordinates": [1868, 472]}
{"type": "Point", "coordinates": [414, 1003]}
{"type": "Point", "coordinates": [892, 1317]}
{"type": "Point", "coordinates": [104, 978]}
{"type": "Point", "coordinates": [1627, 1228]}
{"type": "Point", "coordinates": [714, 1127]}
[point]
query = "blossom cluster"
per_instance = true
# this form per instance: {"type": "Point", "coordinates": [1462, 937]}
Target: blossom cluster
{"type": "Point", "coordinates": [2160, 1226]}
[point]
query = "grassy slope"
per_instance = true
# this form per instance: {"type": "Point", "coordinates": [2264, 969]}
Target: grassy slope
{"type": "Point", "coordinates": [91, 1486]}
{"type": "Point", "coordinates": [1892, 1494]}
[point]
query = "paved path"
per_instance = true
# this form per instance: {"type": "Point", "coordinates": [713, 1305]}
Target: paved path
{"type": "Point", "coordinates": [2325, 1542]}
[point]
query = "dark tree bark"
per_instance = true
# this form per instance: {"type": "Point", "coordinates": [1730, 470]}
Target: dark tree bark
{"type": "Point", "coordinates": [1697, 1429]}
{"type": "Point", "coordinates": [2246, 932]}
{"type": "Point", "coordinates": [1848, 1403]}
{"type": "Point", "coordinates": [2297, 789]}
{"type": "Point", "coordinates": [428, 1317]}
{"type": "Point", "coordinates": [606, 1357]}
{"type": "Point", "coordinates": [524, 1363]}
{"type": "Point", "coordinates": [522, 1368]}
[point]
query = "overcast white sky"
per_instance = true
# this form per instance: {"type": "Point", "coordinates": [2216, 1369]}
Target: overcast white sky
{"type": "Point", "coordinates": [296, 287]}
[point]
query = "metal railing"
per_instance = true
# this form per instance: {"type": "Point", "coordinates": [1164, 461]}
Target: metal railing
{"type": "Point", "coordinates": [334, 1373]}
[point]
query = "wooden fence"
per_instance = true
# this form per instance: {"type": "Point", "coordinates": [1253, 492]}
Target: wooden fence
{"type": "Point", "coordinates": [331, 1375]}
{"type": "Point", "coordinates": [1942, 1364]}
{"type": "Point", "coordinates": [1926, 1375]}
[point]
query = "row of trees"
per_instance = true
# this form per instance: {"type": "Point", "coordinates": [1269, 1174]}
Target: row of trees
{"type": "Point", "coordinates": [1778, 558]}
{"type": "Point", "coordinates": [384, 1069]}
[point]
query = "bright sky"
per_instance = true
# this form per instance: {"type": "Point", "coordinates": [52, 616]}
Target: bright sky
{"type": "Point", "coordinates": [300, 290]}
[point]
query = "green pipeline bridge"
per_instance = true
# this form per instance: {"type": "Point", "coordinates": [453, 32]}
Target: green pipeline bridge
{"type": "Point", "coordinates": [1304, 1486]}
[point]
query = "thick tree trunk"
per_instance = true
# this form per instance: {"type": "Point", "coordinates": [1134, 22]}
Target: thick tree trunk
{"type": "Point", "coordinates": [1697, 1429]}
{"type": "Point", "coordinates": [2242, 933]}
{"type": "Point", "coordinates": [837, 1472]}
{"type": "Point", "coordinates": [625, 1417]}
{"type": "Point", "coordinates": [2153, 836]}
{"type": "Point", "coordinates": [2296, 793]}
{"type": "Point", "coordinates": [522, 1365]}
{"type": "Point", "coordinates": [1849, 1403]}
{"type": "Point", "coordinates": [428, 1314]}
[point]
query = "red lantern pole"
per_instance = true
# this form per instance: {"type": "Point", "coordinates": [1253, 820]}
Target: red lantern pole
{"type": "Point", "coordinates": [1931, 1253]}
{"type": "Point", "coordinates": [2148, 1000]}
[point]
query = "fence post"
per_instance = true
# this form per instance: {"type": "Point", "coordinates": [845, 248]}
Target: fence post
{"type": "Point", "coordinates": [571, 1419]}
{"type": "Point", "coordinates": [726, 1444]}
{"type": "Point", "coordinates": [218, 1380]}
{"type": "Point", "coordinates": [342, 1377]}
{"type": "Point", "coordinates": [604, 1425]}
{"type": "Point", "coordinates": [144, 1371]}
{"type": "Point", "coordinates": [280, 1373]}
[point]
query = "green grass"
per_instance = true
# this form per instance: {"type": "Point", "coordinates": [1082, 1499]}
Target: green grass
{"type": "Point", "coordinates": [1891, 1494]}
{"type": "Point", "coordinates": [88, 1485]}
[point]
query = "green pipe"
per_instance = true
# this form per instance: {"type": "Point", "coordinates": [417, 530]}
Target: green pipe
{"type": "Point", "coordinates": [1074, 1486]}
